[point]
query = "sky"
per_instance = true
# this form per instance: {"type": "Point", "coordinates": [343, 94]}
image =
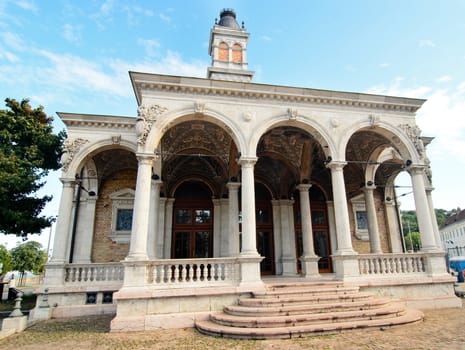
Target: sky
{"type": "Point", "coordinates": [74, 56]}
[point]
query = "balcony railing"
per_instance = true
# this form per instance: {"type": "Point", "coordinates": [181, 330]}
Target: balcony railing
{"type": "Point", "coordinates": [193, 272]}
{"type": "Point", "coordinates": [85, 274]}
{"type": "Point", "coordinates": [392, 264]}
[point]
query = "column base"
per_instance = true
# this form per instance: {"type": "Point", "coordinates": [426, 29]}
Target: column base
{"type": "Point", "coordinates": [250, 271]}
{"type": "Point", "coordinates": [289, 266]}
{"type": "Point", "coordinates": [310, 266]}
{"type": "Point", "coordinates": [134, 273]}
{"type": "Point", "coordinates": [436, 264]}
{"type": "Point", "coordinates": [346, 266]}
{"type": "Point", "coordinates": [54, 274]}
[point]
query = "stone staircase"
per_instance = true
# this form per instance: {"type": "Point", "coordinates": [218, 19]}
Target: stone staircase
{"type": "Point", "coordinates": [289, 310]}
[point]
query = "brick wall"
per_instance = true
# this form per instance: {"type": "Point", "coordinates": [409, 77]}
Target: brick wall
{"type": "Point", "coordinates": [103, 248]}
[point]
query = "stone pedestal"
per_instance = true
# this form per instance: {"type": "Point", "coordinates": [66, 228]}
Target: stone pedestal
{"type": "Point", "coordinates": [19, 323]}
{"type": "Point", "coordinates": [250, 272]}
{"type": "Point", "coordinates": [436, 264]}
{"type": "Point", "coordinates": [310, 266]}
{"type": "Point", "coordinates": [346, 266]}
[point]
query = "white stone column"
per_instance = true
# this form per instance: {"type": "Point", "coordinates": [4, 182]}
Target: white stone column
{"type": "Point", "coordinates": [160, 242]}
{"type": "Point", "coordinates": [332, 226]}
{"type": "Point", "coordinates": [249, 257]}
{"type": "Point", "coordinates": [345, 260]}
{"type": "Point", "coordinates": [85, 231]}
{"type": "Point", "coordinates": [373, 231]}
{"type": "Point", "coordinates": [140, 221]}
{"type": "Point", "coordinates": [428, 241]}
{"type": "Point", "coordinates": [289, 259]}
{"type": "Point", "coordinates": [225, 236]}
{"type": "Point", "coordinates": [341, 212]}
{"type": "Point", "coordinates": [233, 228]}
{"type": "Point", "coordinates": [308, 259]}
{"type": "Point", "coordinates": [168, 227]}
{"type": "Point", "coordinates": [393, 227]}
{"type": "Point", "coordinates": [278, 246]}
{"type": "Point", "coordinates": [216, 227]}
{"type": "Point", "coordinates": [63, 226]}
{"type": "Point", "coordinates": [437, 236]}
{"type": "Point", "coordinates": [153, 219]}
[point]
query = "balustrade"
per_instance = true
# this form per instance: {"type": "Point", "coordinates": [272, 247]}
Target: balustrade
{"type": "Point", "coordinates": [82, 274]}
{"type": "Point", "coordinates": [390, 264]}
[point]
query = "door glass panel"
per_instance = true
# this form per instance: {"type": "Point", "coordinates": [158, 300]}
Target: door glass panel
{"type": "Point", "coordinates": [181, 245]}
{"type": "Point", "coordinates": [263, 216]}
{"type": "Point", "coordinates": [183, 216]}
{"type": "Point", "coordinates": [202, 244]}
{"type": "Point", "coordinates": [321, 248]}
{"type": "Point", "coordinates": [202, 216]}
{"type": "Point", "coordinates": [318, 218]}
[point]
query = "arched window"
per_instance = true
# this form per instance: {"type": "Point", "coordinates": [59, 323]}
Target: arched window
{"type": "Point", "coordinates": [223, 52]}
{"type": "Point", "coordinates": [237, 53]}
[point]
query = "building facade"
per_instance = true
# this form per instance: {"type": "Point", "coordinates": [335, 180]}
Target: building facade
{"type": "Point", "coordinates": [221, 183]}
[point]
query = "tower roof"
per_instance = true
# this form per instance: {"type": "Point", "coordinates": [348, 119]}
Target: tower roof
{"type": "Point", "coordinates": [228, 19]}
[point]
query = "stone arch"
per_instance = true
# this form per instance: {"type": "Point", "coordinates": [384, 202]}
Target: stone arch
{"type": "Point", "coordinates": [88, 150]}
{"type": "Point", "coordinates": [184, 180]}
{"type": "Point", "coordinates": [312, 127]}
{"type": "Point", "coordinates": [199, 112]}
{"type": "Point", "coordinates": [237, 53]}
{"type": "Point", "coordinates": [379, 156]}
{"type": "Point", "coordinates": [223, 52]}
{"type": "Point", "coordinates": [395, 135]}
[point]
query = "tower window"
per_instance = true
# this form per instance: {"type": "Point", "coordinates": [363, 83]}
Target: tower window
{"type": "Point", "coordinates": [237, 53]}
{"type": "Point", "coordinates": [223, 52]}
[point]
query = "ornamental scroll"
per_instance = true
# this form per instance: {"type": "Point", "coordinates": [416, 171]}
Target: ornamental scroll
{"type": "Point", "coordinates": [413, 133]}
{"type": "Point", "coordinates": [70, 149]}
{"type": "Point", "coordinates": [146, 116]}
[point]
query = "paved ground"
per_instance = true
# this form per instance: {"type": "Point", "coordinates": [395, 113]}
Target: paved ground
{"type": "Point", "coordinates": [441, 329]}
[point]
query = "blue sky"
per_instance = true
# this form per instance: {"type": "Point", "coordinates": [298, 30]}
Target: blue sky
{"type": "Point", "coordinates": [74, 56]}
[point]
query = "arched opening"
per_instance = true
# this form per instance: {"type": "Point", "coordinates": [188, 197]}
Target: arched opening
{"type": "Point", "coordinates": [223, 52]}
{"type": "Point", "coordinates": [237, 53]}
{"type": "Point", "coordinates": [192, 235]}
{"type": "Point", "coordinates": [264, 224]}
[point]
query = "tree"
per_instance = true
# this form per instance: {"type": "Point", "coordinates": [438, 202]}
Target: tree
{"type": "Point", "coordinates": [413, 241]}
{"type": "Point", "coordinates": [5, 260]}
{"type": "Point", "coordinates": [28, 151]}
{"type": "Point", "coordinates": [28, 256]}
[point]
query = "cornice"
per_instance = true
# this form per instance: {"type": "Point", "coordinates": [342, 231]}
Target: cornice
{"type": "Point", "coordinates": [100, 121]}
{"type": "Point", "coordinates": [218, 88]}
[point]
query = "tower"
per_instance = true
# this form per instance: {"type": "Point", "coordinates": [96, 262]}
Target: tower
{"type": "Point", "coordinates": [228, 49]}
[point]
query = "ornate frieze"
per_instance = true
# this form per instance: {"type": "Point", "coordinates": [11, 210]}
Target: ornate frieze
{"type": "Point", "coordinates": [146, 116]}
{"type": "Point", "coordinates": [413, 133]}
{"type": "Point", "coordinates": [70, 148]}
{"type": "Point", "coordinates": [292, 113]}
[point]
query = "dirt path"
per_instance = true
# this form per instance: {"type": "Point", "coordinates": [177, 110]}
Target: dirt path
{"type": "Point", "coordinates": [441, 329]}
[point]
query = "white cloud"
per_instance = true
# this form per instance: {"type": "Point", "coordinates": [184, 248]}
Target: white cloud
{"type": "Point", "coordinates": [12, 40]}
{"type": "Point", "coordinates": [265, 38]}
{"type": "Point", "coordinates": [165, 18]}
{"type": "Point", "coordinates": [10, 57]}
{"type": "Point", "coordinates": [385, 65]}
{"type": "Point", "coordinates": [151, 46]}
{"type": "Point", "coordinates": [427, 43]}
{"type": "Point", "coordinates": [444, 79]}
{"type": "Point", "coordinates": [28, 5]}
{"type": "Point", "coordinates": [71, 33]}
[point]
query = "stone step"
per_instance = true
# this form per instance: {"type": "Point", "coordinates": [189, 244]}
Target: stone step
{"type": "Point", "coordinates": [211, 328]}
{"type": "Point", "coordinates": [305, 289]}
{"type": "Point", "coordinates": [259, 321]}
{"type": "Point", "coordinates": [302, 299]}
{"type": "Point", "coordinates": [302, 308]}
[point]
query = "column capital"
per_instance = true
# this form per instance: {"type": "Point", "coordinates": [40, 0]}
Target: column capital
{"type": "Point", "coordinates": [233, 185]}
{"type": "Point", "coordinates": [157, 182]}
{"type": "Point", "coordinates": [145, 158]}
{"type": "Point", "coordinates": [336, 165]}
{"type": "Point", "coordinates": [416, 169]}
{"type": "Point", "coordinates": [304, 187]}
{"type": "Point", "coordinates": [247, 161]}
{"type": "Point", "coordinates": [429, 189]}
{"type": "Point", "coordinates": [68, 181]}
{"type": "Point", "coordinates": [368, 188]}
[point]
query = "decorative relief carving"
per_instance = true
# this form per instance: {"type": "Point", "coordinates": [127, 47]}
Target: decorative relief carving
{"type": "Point", "coordinates": [373, 119]}
{"type": "Point", "coordinates": [199, 107]}
{"type": "Point", "coordinates": [70, 149]}
{"type": "Point", "coordinates": [292, 113]}
{"type": "Point", "coordinates": [116, 139]}
{"type": "Point", "coordinates": [413, 133]}
{"type": "Point", "coordinates": [146, 116]}
{"type": "Point", "coordinates": [248, 116]}
{"type": "Point", "coordinates": [334, 122]}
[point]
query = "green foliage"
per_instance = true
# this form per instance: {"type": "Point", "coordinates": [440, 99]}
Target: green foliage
{"type": "Point", "coordinates": [409, 221]}
{"type": "Point", "coordinates": [29, 256]}
{"type": "Point", "coordinates": [5, 259]}
{"type": "Point", "coordinates": [28, 151]}
{"type": "Point", "coordinates": [413, 241]}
